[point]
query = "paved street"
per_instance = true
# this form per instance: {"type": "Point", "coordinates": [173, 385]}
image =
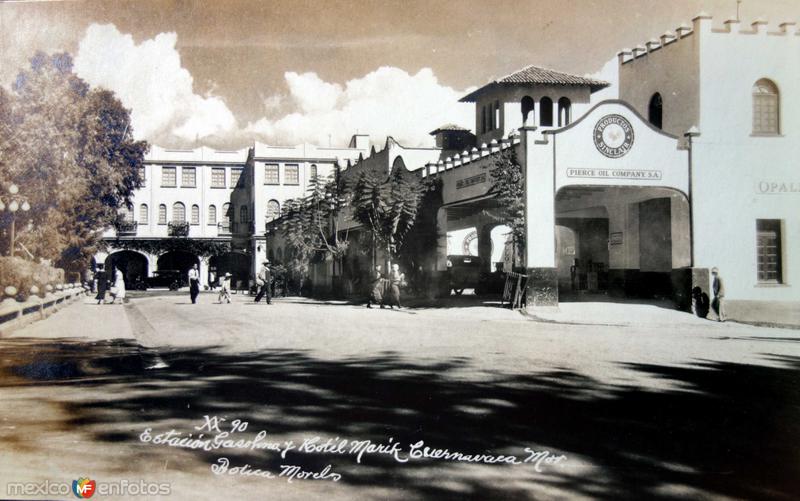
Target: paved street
{"type": "Point", "coordinates": [662, 407]}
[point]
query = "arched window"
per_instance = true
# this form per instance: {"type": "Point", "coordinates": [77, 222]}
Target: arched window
{"type": "Point", "coordinates": [564, 111]}
{"type": "Point", "coordinates": [313, 171]}
{"type": "Point", "coordinates": [144, 214]}
{"type": "Point", "coordinates": [546, 112]}
{"type": "Point", "coordinates": [162, 214]}
{"type": "Point", "coordinates": [178, 212]}
{"type": "Point", "coordinates": [527, 109]}
{"type": "Point", "coordinates": [655, 111]}
{"type": "Point", "coordinates": [273, 210]}
{"type": "Point", "coordinates": [243, 214]}
{"type": "Point", "coordinates": [212, 214]}
{"type": "Point", "coordinates": [126, 213]}
{"type": "Point", "coordinates": [195, 214]}
{"type": "Point", "coordinates": [226, 213]}
{"type": "Point", "coordinates": [766, 106]}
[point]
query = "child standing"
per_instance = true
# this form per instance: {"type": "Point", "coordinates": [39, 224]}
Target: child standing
{"type": "Point", "coordinates": [225, 288]}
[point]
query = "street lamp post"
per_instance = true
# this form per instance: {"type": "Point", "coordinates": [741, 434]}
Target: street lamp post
{"type": "Point", "coordinates": [15, 202]}
{"type": "Point", "coordinates": [690, 134]}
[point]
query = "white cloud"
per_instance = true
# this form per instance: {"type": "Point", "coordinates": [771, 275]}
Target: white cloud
{"type": "Point", "coordinates": [608, 73]}
{"type": "Point", "coordinates": [149, 79]}
{"type": "Point", "coordinates": [387, 101]}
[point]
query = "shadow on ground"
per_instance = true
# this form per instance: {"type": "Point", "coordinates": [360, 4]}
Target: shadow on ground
{"type": "Point", "coordinates": [725, 429]}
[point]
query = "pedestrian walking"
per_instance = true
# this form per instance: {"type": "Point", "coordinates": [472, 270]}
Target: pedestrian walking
{"type": "Point", "coordinates": [118, 288]}
{"type": "Point", "coordinates": [212, 280]}
{"type": "Point", "coordinates": [263, 281]}
{"type": "Point", "coordinates": [718, 288]}
{"type": "Point", "coordinates": [396, 280]}
{"type": "Point", "coordinates": [194, 283]}
{"type": "Point", "coordinates": [377, 283]}
{"type": "Point", "coordinates": [101, 277]}
{"type": "Point", "coordinates": [225, 288]}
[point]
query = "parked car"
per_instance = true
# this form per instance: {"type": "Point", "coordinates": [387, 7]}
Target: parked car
{"type": "Point", "coordinates": [465, 272]}
{"type": "Point", "coordinates": [172, 279]}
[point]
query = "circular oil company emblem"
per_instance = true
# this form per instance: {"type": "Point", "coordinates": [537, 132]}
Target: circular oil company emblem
{"type": "Point", "coordinates": [613, 136]}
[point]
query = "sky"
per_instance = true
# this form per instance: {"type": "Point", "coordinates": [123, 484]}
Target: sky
{"type": "Point", "coordinates": [224, 73]}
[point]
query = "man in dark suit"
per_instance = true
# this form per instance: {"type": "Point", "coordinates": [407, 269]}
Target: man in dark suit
{"type": "Point", "coordinates": [263, 280]}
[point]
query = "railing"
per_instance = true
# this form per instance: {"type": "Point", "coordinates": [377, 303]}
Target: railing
{"type": "Point", "coordinates": [126, 228]}
{"type": "Point", "coordinates": [178, 229]}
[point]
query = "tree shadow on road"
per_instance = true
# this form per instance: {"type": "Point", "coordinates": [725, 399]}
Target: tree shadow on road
{"type": "Point", "coordinates": [718, 429]}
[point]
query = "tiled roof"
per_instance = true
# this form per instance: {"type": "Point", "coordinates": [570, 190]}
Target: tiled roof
{"type": "Point", "coordinates": [448, 127]}
{"type": "Point", "coordinates": [541, 76]}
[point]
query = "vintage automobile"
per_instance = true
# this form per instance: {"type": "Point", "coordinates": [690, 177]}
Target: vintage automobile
{"type": "Point", "coordinates": [464, 272]}
{"type": "Point", "coordinates": [172, 279]}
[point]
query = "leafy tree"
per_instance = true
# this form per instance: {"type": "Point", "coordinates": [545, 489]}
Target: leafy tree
{"type": "Point", "coordinates": [311, 224]}
{"type": "Point", "coordinates": [387, 207]}
{"type": "Point", "coordinates": [71, 151]}
{"type": "Point", "coordinates": [509, 190]}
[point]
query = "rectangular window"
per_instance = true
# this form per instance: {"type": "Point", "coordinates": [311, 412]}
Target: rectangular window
{"type": "Point", "coordinates": [770, 266]}
{"type": "Point", "coordinates": [235, 175]}
{"type": "Point", "coordinates": [188, 177]}
{"type": "Point", "coordinates": [142, 176]}
{"type": "Point", "coordinates": [271, 174]}
{"type": "Point", "coordinates": [292, 174]}
{"type": "Point", "coordinates": [168, 177]}
{"type": "Point", "coordinates": [218, 177]}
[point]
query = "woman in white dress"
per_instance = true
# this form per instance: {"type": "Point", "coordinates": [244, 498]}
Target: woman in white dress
{"type": "Point", "coordinates": [118, 289]}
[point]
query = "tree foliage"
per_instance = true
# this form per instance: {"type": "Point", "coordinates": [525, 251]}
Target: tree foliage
{"type": "Point", "coordinates": [70, 150]}
{"type": "Point", "coordinates": [388, 207]}
{"type": "Point", "coordinates": [509, 190]}
{"type": "Point", "coordinates": [310, 225]}
{"type": "Point", "coordinates": [202, 248]}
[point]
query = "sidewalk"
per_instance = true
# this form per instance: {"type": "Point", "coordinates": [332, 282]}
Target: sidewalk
{"type": "Point", "coordinates": [81, 319]}
{"type": "Point", "coordinates": [617, 314]}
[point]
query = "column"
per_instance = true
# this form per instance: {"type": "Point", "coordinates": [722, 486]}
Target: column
{"type": "Point", "coordinates": [203, 270]}
{"type": "Point", "coordinates": [485, 245]}
{"type": "Point", "coordinates": [540, 238]}
{"type": "Point", "coordinates": [441, 240]}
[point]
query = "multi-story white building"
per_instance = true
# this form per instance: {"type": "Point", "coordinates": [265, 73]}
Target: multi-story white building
{"type": "Point", "coordinates": [208, 207]}
{"type": "Point", "coordinates": [274, 174]}
{"type": "Point", "coordinates": [739, 87]}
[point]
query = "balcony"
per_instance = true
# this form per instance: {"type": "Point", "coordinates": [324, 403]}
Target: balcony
{"type": "Point", "coordinates": [178, 229]}
{"type": "Point", "coordinates": [126, 228]}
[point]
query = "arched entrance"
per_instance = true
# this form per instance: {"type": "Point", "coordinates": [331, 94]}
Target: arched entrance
{"type": "Point", "coordinates": [177, 260]}
{"type": "Point", "coordinates": [235, 263]}
{"type": "Point", "coordinates": [134, 265]}
{"type": "Point", "coordinates": [624, 241]}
